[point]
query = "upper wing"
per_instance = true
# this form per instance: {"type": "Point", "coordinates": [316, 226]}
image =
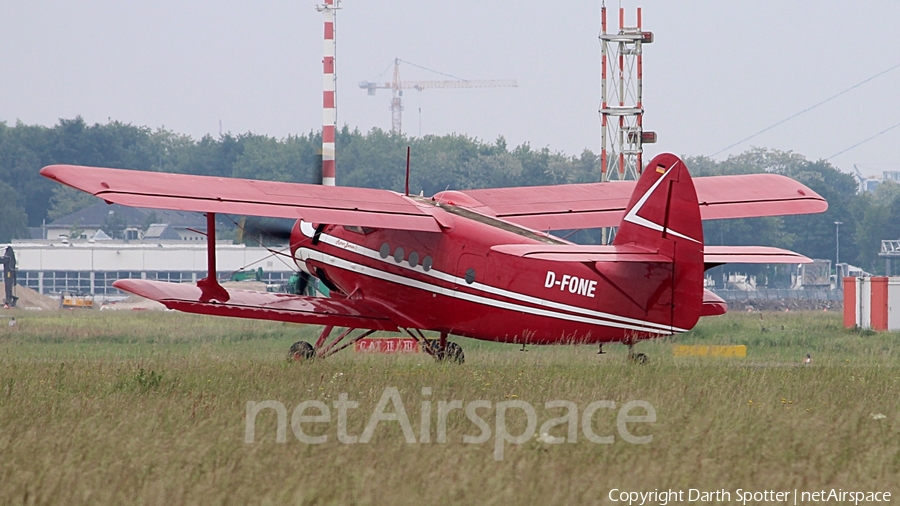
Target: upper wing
{"type": "Point", "coordinates": [595, 205]}
{"type": "Point", "coordinates": [314, 203]}
{"type": "Point", "coordinates": [262, 305]}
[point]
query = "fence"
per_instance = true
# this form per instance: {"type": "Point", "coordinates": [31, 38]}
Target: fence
{"type": "Point", "coordinates": [780, 294]}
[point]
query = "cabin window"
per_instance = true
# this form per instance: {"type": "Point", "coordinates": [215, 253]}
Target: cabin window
{"type": "Point", "coordinates": [359, 230]}
{"type": "Point", "coordinates": [470, 275]}
{"type": "Point", "coordinates": [385, 250]}
{"type": "Point", "coordinates": [398, 254]}
{"type": "Point", "coordinates": [426, 263]}
{"type": "Point", "coordinates": [413, 259]}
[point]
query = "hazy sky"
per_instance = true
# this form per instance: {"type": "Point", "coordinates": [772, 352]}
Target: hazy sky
{"type": "Point", "coordinates": [718, 71]}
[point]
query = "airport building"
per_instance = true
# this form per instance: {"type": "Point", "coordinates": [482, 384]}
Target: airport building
{"type": "Point", "coordinates": [59, 266]}
{"type": "Point", "coordinates": [86, 251]}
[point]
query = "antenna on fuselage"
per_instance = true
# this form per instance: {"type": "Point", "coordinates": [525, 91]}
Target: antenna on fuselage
{"type": "Point", "coordinates": [442, 197]}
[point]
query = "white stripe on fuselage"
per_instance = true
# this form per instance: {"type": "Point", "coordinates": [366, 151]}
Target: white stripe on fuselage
{"type": "Point", "coordinates": [345, 264]}
{"type": "Point", "coordinates": [616, 320]}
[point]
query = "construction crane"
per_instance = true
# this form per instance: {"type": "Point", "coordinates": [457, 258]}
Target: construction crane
{"type": "Point", "coordinates": [397, 86]}
{"type": "Point", "coordinates": [866, 184]}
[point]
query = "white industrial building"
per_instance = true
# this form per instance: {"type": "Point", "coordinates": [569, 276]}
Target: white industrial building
{"type": "Point", "coordinates": [53, 267]}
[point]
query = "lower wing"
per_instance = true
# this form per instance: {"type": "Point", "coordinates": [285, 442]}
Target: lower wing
{"type": "Point", "coordinates": [261, 305]}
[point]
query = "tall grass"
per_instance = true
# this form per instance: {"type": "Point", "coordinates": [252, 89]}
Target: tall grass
{"type": "Point", "coordinates": [149, 408]}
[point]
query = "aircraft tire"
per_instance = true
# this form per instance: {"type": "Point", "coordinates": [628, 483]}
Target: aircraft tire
{"type": "Point", "coordinates": [453, 353]}
{"type": "Point", "coordinates": [301, 351]}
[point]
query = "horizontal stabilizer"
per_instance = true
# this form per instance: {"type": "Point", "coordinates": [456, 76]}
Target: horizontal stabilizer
{"type": "Point", "coordinates": [337, 205]}
{"type": "Point", "coordinates": [579, 253]}
{"type": "Point", "coordinates": [261, 305]}
{"type": "Point", "coordinates": [630, 253]}
{"type": "Point", "coordinates": [713, 305]}
{"type": "Point", "coordinates": [751, 255]}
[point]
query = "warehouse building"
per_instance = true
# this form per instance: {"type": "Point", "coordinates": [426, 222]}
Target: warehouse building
{"type": "Point", "coordinates": [103, 221]}
{"type": "Point", "coordinates": [52, 267]}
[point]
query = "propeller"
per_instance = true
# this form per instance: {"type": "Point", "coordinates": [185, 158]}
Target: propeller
{"type": "Point", "coordinates": [303, 283]}
{"type": "Point", "coordinates": [264, 229]}
{"type": "Point", "coordinates": [269, 230]}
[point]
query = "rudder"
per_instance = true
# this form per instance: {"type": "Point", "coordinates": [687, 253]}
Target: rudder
{"type": "Point", "coordinates": [663, 215]}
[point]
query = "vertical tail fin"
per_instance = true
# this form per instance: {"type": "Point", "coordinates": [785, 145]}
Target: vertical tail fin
{"type": "Point", "coordinates": [664, 215]}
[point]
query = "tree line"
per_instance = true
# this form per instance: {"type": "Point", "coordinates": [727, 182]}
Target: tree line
{"type": "Point", "coordinates": [377, 159]}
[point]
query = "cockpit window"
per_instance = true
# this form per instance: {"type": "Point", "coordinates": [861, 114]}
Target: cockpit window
{"type": "Point", "coordinates": [359, 230]}
{"type": "Point", "coordinates": [490, 221]}
{"type": "Point", "coordinates": [503, 225]}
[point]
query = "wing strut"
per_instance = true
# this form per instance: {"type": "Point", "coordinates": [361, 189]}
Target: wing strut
{"type": "Point", "coordinates": [210, 289]}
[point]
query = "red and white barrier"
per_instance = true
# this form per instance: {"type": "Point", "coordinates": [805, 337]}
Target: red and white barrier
{"type": "Point", "coordinates": [872, 303]}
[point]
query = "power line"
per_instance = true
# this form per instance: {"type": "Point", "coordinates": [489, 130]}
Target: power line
{"type": "Point", "coordinates": [435, 71]}
{"type": "Point", "coordinates": [829, 99]}
{"type": "Point", "coordinates": [864, 141]}
{"type": "Point", "coordinates": [383, 72]}
{"type": "Point", "coordinates": [421, 67]}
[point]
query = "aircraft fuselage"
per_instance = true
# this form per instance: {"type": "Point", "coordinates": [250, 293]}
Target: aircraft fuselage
{"type": "Point", "coordinates": [451, 281]}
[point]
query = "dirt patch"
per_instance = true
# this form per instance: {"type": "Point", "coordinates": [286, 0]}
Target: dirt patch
{"type": "Point", "coordinates": [135, 302]}
{"type": "Point", "coordinates": [30, 299]}
{"type": "Point", "coordinates": [256, 286]}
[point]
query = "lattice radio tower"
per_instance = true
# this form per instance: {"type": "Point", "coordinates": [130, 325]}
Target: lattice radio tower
{"type": "Point", "coordinates": [622, 109]}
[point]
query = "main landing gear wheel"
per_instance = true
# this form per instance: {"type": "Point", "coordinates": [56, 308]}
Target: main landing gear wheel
{"type": "Point", "coordinates": [452, 352]}
{"type": "Point", "coordinates": [301, 351]}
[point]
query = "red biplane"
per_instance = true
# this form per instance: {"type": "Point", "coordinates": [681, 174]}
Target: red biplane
{"type": "Point", "coordinates": [480, 263]}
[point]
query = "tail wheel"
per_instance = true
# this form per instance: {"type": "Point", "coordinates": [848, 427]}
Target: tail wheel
{"type": "Point", "coordinates": [639, 358]}
{"type": "Point", "coordinates": [301, 351]}
{"type": "Point", "coordinates": [451, 353]}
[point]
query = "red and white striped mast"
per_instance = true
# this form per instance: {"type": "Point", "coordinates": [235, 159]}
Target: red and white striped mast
{"type": "Point", "coordinates": [622, 107]}
{"type": "Point", "coordinates": [329, 113]}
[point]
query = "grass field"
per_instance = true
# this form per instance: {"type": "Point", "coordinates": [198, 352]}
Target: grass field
{"type": "Point", "coordinates": [150, 408]}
